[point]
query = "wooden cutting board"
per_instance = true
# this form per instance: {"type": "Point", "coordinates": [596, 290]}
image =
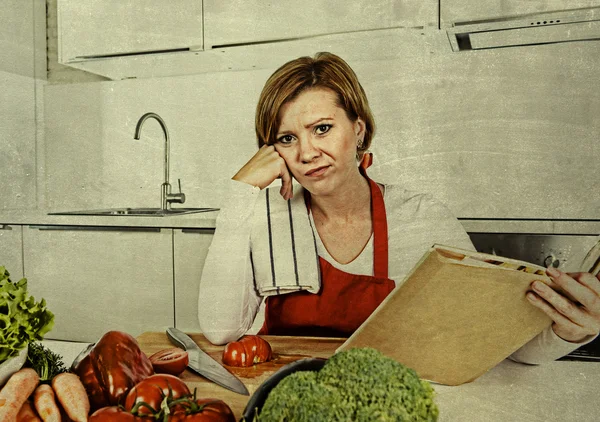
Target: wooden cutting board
{"type": "Point", "coordinates": [285, 350]}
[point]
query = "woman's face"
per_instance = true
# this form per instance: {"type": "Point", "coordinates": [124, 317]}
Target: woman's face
{"type": "Point", "coordinates": [318, 142]}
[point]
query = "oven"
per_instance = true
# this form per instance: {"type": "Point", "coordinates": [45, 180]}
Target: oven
{"type": "Point", "coordinates": [563, 251]}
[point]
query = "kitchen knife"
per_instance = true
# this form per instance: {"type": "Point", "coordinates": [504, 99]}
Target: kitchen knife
{"type": "Point", "coordinates": [201, 363]}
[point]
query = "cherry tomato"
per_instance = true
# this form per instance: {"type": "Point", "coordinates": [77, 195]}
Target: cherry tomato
{"type": "Point", "coordinates": [247, 351]}
{"type": "Point", "coordinates": [152, 392]}
{"type": "Point", "coordinates": [170, 361]}
{"type": "Point", "coordinates": [115, 414]}
{"type": "Point", "coordinates": [202, 410]}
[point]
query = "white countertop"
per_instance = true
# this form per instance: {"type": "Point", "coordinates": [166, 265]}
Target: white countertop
{"type": "Point", "coordinates": [559, 391]}
{"type": "Point", "coordinates": [67, 349]}
{"type": "Point", "coordinates": [207, 220]}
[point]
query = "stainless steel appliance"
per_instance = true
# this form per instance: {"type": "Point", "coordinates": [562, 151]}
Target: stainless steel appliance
{"type": "Point", "coordinates": [563, 251]}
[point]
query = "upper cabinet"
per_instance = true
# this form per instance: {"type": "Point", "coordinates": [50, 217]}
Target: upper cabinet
{"type": "Point", "coordinates": [91, 29]}
{"type": "Point", "coordinates": [237, 22]}
{"type": "Point", "coordinates": [153, 38]}
{"type": "Point", "coordinates": [474, 10]}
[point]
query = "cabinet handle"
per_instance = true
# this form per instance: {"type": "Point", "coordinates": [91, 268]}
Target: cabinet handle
{"type": "Point", "coordinates": [98, 228]}
{"type": "Point", "coordinates": [5, 227]}
{"type": "Point", "coordinates": [198, 231]}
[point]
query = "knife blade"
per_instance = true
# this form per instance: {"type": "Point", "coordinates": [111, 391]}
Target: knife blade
{"type": "Point", "coordinates": [201, 363]}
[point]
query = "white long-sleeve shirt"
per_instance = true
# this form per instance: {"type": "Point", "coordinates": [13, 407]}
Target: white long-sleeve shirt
{"type": "Point", "coordinates": [229, 305]}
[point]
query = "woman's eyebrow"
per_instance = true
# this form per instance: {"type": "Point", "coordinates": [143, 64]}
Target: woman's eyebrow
{"type": "Point", "coordinates": [306, 126]}
{"type": "Point", "coordinates": [319, 120]}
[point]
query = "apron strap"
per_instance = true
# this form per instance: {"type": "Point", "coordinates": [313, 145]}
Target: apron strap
{"type": "Point", "coordinates": [380, 229]}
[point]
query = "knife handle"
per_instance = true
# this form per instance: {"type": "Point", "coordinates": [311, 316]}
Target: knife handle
{"type": "Point", "coordinates": [180, 339]}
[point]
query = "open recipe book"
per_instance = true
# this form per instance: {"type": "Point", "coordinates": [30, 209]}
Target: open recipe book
{"type": "Point", "coordinates": [458, 314]}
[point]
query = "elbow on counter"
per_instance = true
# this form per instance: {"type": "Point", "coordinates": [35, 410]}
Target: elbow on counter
{"type": "Point", "coordinates": [218, 335]}
{"type": "Point", "coordinates": [219, 338]}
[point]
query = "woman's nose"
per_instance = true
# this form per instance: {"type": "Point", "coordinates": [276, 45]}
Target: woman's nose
{"type": "Point", "coordinates": [308, 150]}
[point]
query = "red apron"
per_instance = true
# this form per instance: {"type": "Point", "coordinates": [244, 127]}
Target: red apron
{"type": "Point", "coordinates": [345, 300]}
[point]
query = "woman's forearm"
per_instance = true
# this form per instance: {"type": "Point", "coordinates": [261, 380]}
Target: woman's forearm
{"type": "Point", "coordinates": [228, 302]}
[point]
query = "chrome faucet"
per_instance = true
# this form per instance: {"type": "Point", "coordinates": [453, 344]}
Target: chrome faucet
{"type": "Point", "coordinates": [166, 197]}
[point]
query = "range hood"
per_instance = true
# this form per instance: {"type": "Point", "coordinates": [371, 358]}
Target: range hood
{"type": "Point", "coordinates": [534, 29]}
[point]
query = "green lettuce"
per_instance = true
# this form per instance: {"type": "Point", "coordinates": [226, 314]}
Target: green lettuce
{"type": "Point", "coordinates": [22, 319]}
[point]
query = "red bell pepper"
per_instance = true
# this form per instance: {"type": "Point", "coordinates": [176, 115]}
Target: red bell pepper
{"type": "Point", "coordinates": [113, 366]}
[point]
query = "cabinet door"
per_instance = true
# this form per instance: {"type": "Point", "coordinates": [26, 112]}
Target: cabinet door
{"type": "Point", "coordinates": [11, 250]}
{"type": "Point", "coordinates": [97, 279]}
{"type": "Point", "coordinates": [190, 247]}
{"type": "Point", "coordinates": [472, 10]}
{"type": "Point", "coordinates": [243, 21]}
{"type": "Point", "coordinates": [112, 27]}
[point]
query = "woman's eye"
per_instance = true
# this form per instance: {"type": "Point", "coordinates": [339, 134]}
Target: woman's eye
{"type": "Point", "coordinates": [321, 129]}
{"type": "Point", "coordinates": [285, 139]}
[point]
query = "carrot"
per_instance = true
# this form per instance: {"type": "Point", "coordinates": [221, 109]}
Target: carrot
{"type": "Point", "coordinates": [16, 392]}
{"type": "Point", "coordinates": [72, 396]}
{"type": "Point", "coordinates": [27, 413]}
{"type": "Point", "coordinates": [45, 403]}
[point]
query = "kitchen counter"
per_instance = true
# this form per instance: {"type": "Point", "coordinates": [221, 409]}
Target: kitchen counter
{"type": "Point", "coordinates": [207, 220]}
{"type": "Point", "coordinates": [557, 391]}
{"type": "Point", "coordinates": [201, 220]}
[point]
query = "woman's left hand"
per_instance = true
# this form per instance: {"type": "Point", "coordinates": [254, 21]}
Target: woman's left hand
{"type": "Point", "coordinates": [577, 317]}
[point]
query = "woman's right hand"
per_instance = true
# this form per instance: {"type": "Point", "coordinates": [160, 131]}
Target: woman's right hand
{"type": "Point", "coordinates": [264, 167]}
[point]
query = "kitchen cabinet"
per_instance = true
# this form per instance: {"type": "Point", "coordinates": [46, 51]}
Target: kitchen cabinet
{"type": "Point", "coordinates": [250, 21]}
{"type": "Point", "coordinates": [472, 10]}
{"type": "Point", "coordinates": [190, 247]}
{"type": "Point", "coordinates": [97, 279]}
{"type": "Point", "coordinates": [183, 35]}
{"type": "Point", "coordinates": [11, 250]}
{"type": "Point", "coordinates": [113, 27]}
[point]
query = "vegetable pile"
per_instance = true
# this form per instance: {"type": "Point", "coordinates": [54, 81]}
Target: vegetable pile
{"type": "Point", "coordinates": [359, 384]}
{"type": "Point", "coordinates": [166, 398]}
{"type": "Point", "coordinates": [111, 381]}
{"type": "Point", "coordinates": [122, 386]}
{"type": "Point", "coordinates": [22, 319]}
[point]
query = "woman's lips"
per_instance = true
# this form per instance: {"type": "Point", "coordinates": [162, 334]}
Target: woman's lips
{"type": "Point", "coordinates": [316, 172]}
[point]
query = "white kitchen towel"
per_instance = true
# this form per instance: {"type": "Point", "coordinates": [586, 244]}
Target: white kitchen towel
{"type": "Point", "coordinates": [283, 246]}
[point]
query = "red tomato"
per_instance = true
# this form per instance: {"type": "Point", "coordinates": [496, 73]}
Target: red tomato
{"type": "Point", "coordinates": [115, 414]}
{"type": "Point", "coordinates": [152, 391]}
{"type": "Point", "coordinates": [170, 361]}
{"type": "Point", "coordinates": [202, 410]}
{"type": "Point", "coordinates": [247, 351]}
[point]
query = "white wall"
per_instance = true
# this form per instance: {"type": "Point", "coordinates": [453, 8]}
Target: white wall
{"type": "Point", "coordinates": [22, 35]}
{"type": "Point", "coordinates": [504, 133]}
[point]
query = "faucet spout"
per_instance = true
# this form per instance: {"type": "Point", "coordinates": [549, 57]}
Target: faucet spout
{"type": "Point", "coordinates": [166, 196]}
{"type": "Point", "coordinates": [138, 130]}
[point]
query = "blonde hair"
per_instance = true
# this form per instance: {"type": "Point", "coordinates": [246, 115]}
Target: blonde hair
{"type": "Point", "coordinates": [324, 70]}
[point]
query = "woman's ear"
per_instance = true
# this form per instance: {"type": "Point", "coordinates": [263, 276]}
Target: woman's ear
{"type": "Point", "coordinates": [360, 128]}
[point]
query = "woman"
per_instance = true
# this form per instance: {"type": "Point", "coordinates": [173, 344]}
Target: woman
{"type": "Point", "coordinates": [314, 125]}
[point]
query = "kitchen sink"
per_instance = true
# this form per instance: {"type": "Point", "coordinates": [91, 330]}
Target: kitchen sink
{"type": "Point", "coordinates": [150, 212]}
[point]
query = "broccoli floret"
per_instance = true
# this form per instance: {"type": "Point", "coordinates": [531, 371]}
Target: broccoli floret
{"type": "Point", "coordinates": [299, 397]}
{"type": "Point", "coordinates": [359, 384]}
{"type": "Point", "coordinates": [376, 381]}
